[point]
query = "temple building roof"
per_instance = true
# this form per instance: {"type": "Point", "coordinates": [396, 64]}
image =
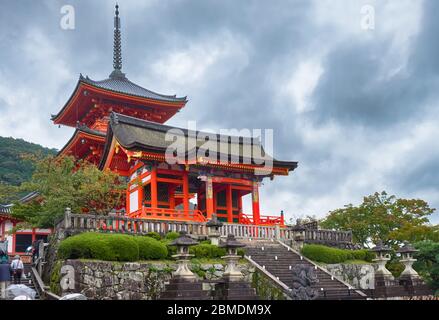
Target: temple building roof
{"type": "Point", "coordinates": [140, 135]}
{"type": "Point", "coordinates": [125, 86]}
{"type": "Point", "coordinates": [5, 209]}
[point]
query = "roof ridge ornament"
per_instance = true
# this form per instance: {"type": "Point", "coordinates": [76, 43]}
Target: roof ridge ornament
{"type": "Point", "coordinates": [117, 49]}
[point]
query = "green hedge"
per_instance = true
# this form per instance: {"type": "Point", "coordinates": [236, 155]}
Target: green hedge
{"type": "Point", "coordinates": [172, 235]}
{"type": "Point", "coordinates": [151, 249]}
{"type": "Point", "coordinates": [205, 250]}
{"type": "Point", "coordinates": [324, 254]}
{"type": "Point", "coordinates": [111, 247]}
{"type": "Point", "coordinates": [154, 235]}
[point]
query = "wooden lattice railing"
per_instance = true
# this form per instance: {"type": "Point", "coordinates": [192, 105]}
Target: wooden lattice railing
{"type": "Point", "coordinates": [169, 214]}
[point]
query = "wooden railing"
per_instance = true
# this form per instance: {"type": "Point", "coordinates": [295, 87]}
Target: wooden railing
{"type": "Point", "coordinates": [263, 220]}
{"type": "Point", "coordinates": [170, 214]}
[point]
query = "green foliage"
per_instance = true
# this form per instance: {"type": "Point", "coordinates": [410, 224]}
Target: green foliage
{"type": "Point", "coordinates": [207, 251]}
{"type": "Point", "coordinates": [111, 247]}
{"type": "Point", "coordinates": [428, 262]}
{"type": "Point", "coordinates": [171, 249]}
{"type": "Point", "coordinates": [150, 248]}
{"type": "Point", "coordinates": [196, 268]}
{"type": "Point", "coordinates": [324, 254]}
{"type": "Point", "coordinates": [154, 235]}
{"type": "Point", "coordinates": [386, 218]}
{"type": "Point", "coordinates": [123, 247]}
{"type": "Point", "coordinates": [265, 289]}
{"type": "Point", "coordinates": [55, 278]}
{"type": "Point", "coordinates": [172, 235]}
{"type": "Point", "coordinates": [17, 160]}
{"type": "Point", "coordinates": [395, 267]}
{"type": "Point", "coordinates": [64, 182]}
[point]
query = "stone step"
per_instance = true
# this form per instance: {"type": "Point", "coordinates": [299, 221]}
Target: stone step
{"type": "Point", "coordinates": [280, 268]}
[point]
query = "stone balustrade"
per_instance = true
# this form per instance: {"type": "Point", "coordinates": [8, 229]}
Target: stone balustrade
{"type": "Point", "coordinates": [122, 224]}
{"type": "Point", "coordinates": [327, 236]}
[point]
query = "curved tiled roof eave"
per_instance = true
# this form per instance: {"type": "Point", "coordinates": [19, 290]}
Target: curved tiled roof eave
{"type": "Point", "coordinates": [125, 86]}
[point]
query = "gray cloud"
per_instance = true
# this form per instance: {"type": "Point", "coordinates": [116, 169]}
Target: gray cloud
{"type": "Point", "coordinates": [356, 128]}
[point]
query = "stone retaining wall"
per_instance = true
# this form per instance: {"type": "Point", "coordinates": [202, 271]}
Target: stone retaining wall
{"type": "Point", "coordinates": [131, 281]}
{"type": "Point", "coordinates": [359, 276]}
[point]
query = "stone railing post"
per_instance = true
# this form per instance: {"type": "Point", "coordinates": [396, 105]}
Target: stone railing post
{"type": "Point", "coordinates": [67, 219]}
{"type": "Point", "coordinates": [277, 232]}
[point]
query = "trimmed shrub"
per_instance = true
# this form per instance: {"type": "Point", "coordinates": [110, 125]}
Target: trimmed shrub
{"type": "Point", "coordinates": [171, 249]}
{"type": "Point", "coordinates": [124, 247]}
{"type": "Point", "coordinates": [111, 247]}
{"type": "Point", "coordinates": [172, 235]}
{"type": "Point", "coordinates": [207, 251]}
{"type": "Point", "coordinates": [86, 246]}
{"type": "Point", "coordinates": [320, 253]}
{"type": "Point", "coordinates": [154, 235]}
{"type": "Point", "coordinates": [150, 248]}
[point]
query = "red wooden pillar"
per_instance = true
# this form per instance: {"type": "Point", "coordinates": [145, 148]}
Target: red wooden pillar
{"type": "Point", "coordinates": [3, 230]}
{"type": "Point", "coordinates": [33, 235]}
{"type": "Point", "coordinates": [198, 199]}
{"type": "Point", "coordinates": [229, 203]}
{"type": "Point", "coordinates": [171, 195]}
{"type": "Point", "coordinates": [154, 204]}
{"type": "Point", "coordinates": [127, 194]}
{"type": "Point", "coordinates": [140, 199]}
{"type": "Point", "coordinates": [255, 203]}
{"type": "Point", "coordinates": [209, 197]}
{"type": "Point", "coordinates": [186, 193]}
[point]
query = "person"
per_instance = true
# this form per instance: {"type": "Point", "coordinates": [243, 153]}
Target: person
{"type": "Point", "coordinates": [5, 274]}
{"type": "Point", "coordinates": [17, 269]}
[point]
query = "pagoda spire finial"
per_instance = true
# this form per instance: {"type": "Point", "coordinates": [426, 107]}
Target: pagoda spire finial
{"type": "Point", "coordinates": [117, 48]}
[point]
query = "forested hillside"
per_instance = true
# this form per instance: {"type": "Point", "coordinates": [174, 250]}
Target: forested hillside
{"type": "Point", "coordinates": [17, 159]}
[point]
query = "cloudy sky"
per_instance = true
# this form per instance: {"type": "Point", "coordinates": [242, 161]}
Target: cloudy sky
{"type": "Point", "coordinates": [357, 107]}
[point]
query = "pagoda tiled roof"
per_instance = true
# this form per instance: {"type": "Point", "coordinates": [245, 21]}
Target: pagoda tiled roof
{"type": "Point", "coordinates": [121, 84]}
{"type": "Point", "coordinates": [82, 128]}
{"type": "Point", "coordinates": [141, 135]}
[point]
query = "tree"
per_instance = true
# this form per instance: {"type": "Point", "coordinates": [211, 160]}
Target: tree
{"type": "Point", "coordinates": [386, 218]}
{"type": "Point", "coordinates": [64, 182]}
{"type": "Point", "coordinates": [8, 193]}
{"type": "Point", "coordinates": [428, 262]}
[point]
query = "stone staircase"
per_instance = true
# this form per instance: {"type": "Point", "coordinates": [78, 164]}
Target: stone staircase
{"type": "Point", "coordinates": [277, 259]}
{"type": "Point", "coordinates": [27, 279]}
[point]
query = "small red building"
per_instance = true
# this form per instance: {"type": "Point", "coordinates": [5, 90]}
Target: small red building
{"type": "Point", "coordinates": [20, 240]}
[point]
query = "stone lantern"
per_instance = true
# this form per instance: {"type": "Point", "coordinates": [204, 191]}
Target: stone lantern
{"type": "Point", "coordinates": [232, 273]}
{"type": "Point", "coordinates": [183, 242]}
{"type": "Point", "coordinates": [298, 235]}
{"type": "Point", "coordinates": [407, 260]}
{"type": "Point", "coordinates": [382, 256]}
{"type": "Point", "coordinates": [213, 229]}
